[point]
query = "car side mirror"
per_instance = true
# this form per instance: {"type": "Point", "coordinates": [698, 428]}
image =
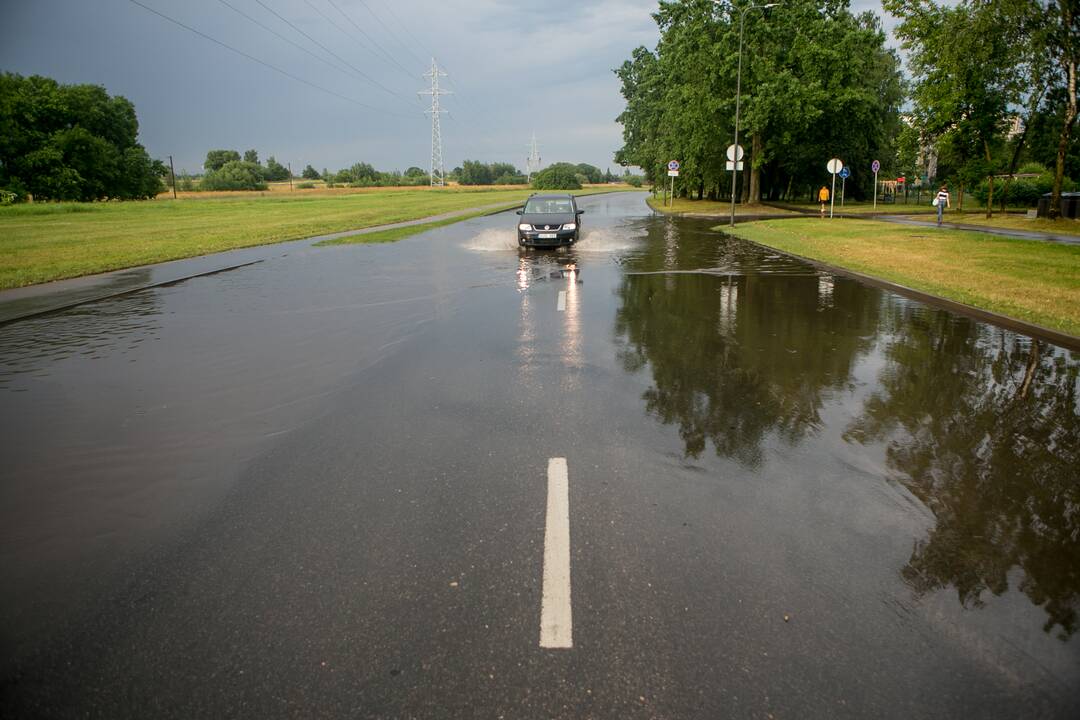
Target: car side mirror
{"type": "Point", "coordinates": [580, 212]}
{"type": "Point", "coordinates": [520, 212]}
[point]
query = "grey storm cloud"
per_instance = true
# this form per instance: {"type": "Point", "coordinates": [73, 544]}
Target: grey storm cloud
{"type": "Point", "coordinates": [334, 82]}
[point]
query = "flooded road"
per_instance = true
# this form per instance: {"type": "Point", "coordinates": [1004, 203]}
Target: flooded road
{"type": "Point", "coordinates": [317, 485]}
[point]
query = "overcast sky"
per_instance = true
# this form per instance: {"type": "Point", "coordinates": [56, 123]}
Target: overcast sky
{"type": "Point", "coordinates": [515, 68]}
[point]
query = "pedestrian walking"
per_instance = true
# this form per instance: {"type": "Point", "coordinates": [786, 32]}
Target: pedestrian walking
{"type": "Point", "coordinates": [823, 196]}
{"type": "Point", "coordinates": [941, 201]}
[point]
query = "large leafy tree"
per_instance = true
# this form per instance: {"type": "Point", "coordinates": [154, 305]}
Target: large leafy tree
{"type": "Point", "coordinates": [216, 159]}
{"type": "Point", "coordinates": [817, 82]}
{"type": "Point", "coordinates": [967, 63]}
{"type": "Point", "coordinates": [71, 142]}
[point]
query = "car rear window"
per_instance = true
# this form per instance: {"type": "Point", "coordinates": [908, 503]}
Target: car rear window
{"type": "Point", "coordinates": [549, 205]}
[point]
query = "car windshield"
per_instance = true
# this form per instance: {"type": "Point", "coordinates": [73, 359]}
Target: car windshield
{"type": "Point", "coordinates": [538, 206]}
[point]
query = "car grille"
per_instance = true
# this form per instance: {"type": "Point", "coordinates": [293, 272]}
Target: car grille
{"type": "Point", "coordinates": [547, 228]}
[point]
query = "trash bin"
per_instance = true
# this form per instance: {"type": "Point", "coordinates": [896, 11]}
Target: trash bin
{"type": "Point", "coordinates": [1070, 205]}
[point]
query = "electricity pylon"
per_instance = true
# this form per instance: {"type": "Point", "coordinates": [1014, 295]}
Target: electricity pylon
{"type": "Point", "coordinates": [532, 163]}
{"type": "Point", "coordinates": [438, 174]}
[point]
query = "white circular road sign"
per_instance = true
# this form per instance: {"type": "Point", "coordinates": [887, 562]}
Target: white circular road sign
{"type": "Point", "coordinates": [733, 150]}
{"type": "Point", "coordinates": [835, 165]}
{"type": "Point", "coordinates": [673, 165]}
{"type": "Point", "coordinates": [876, 165]}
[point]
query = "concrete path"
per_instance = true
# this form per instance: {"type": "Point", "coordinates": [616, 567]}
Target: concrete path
{"type": "Point", "coordinates": [1004, 232]}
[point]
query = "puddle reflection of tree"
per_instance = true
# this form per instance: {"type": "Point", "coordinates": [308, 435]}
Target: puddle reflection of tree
{"type": "Point", "coordinates": [736, 358]}
{"type": "Point", "coordinates": [984, 428]}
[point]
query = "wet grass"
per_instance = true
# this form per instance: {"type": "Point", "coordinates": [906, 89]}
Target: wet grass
{"type": "Point", "coordinates": [52, 241]}
{"type": "Point", "coordinates": [1030, 280]}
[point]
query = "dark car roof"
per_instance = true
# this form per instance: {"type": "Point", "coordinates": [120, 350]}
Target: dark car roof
{"type": "Point", "coordinates": [551, 196]}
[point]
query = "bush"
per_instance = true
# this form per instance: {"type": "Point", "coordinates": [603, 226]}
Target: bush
{"type": "Point", "coordinates": [305, 186]}
{"type": "Point", "coordinates": [1022, 191]}
{"type": "Point", "coordinates": [235, 175]}
{"type": "Point", "coordinates": [7, 197]}
{"type": "Point", "coordinates": [634, 181]}
{"type": "Point", "coordinates": [511, 180]}
{"type": "Point", "coordinates": [557, 177]}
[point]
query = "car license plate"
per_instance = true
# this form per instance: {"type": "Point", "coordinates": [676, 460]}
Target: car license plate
{"type": "Point", "coordinates": [548, 236]}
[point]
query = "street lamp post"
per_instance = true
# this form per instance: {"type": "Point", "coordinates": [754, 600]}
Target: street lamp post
{"type": "Point", "coordinates": [738, 93]}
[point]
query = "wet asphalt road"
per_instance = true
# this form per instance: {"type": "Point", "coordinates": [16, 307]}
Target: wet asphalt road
{"type": "Point", "coordinates": [316, 487]}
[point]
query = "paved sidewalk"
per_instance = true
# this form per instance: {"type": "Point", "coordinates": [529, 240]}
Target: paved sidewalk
{"type": "Point", "coordinates": [1004, 232]}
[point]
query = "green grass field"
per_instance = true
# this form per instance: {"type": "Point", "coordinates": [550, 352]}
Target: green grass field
{"type": "Point", "coordinates": [1031, 280]}
{"type": "Point", "coordinates": [51, 241]}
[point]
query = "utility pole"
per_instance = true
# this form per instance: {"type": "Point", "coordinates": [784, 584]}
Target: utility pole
{"type": "Point", "coordinates": [290, 176]}
{"type": "Point", "coordinates": [172, 170]}
{"type": "Point", "coordinates": [438, 174]}
{"type": "Point", "coordinates": [532, 164]}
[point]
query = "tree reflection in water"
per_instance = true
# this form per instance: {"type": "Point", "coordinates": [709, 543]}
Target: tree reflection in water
{"type": "Point", "coordinates": [983, 427]}
{"type": "Point", "coordinates": [735, 357]}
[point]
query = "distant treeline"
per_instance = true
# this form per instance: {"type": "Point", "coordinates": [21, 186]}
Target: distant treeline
{"type": "Point", "coordinates": [227, 170]}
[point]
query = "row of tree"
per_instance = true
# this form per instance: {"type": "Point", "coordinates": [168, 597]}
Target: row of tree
{"type": "Point", "coordinates": [71, 142]}
{"type": "Point", "coordinates": [993, 88]}
{"type": "Point", "coordinates": [994, 84]}
{"type": "Point", "coordinates": [816, 82]}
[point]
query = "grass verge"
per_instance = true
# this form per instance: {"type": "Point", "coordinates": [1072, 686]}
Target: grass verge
{"type": "Point", "coordinates": [712, 208]}
{"type": "Point", "coordinates": [400, 233]}
{"type": "Point", "coordinates": [1031, 280]}
{"type": "Point", "coordinates": [52, 241]}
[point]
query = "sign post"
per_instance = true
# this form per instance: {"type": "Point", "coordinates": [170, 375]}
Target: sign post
{"type": "Point", "coordinates": [673, 172]}
{"type": "Point", "coordinates": [734, 164]}
{"type": "Point", "coordinates": [845, 173]}
{"type": "Point", "coordinates": [834, 166]}
{"type": "Point", "coordinates": [875, 166]}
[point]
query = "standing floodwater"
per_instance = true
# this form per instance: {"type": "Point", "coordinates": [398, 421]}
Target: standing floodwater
{"type": "Point", "coordinates": [316, 486]}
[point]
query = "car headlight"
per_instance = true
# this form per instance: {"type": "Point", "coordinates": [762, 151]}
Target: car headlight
{"type": "Point", "coordinates": [524, 227]}
{"type": "Point", "coordinates": [569, 226]}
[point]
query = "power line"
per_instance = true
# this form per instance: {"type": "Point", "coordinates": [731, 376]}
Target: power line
{"type": "Point", "coordinates": [328, 50]}
{"type": "Point", "coordinates": [276, 69]}
{"type": "Point", "coordinates": [297, 45]}
{"type": "Point", "coordinates": [388, 30]}
{"type": "Point", "coordinates": [408, 32]}
{"type": "Point", "coordinates": [371, 39]}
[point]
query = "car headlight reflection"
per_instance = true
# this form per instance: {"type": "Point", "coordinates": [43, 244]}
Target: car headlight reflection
{"type": "Point", "coordinates": [524, 227]}
{"type": "Point", "coordinates": [569, 226]}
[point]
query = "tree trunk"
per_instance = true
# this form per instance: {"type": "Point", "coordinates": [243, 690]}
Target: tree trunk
{"type": "Point", "coordinates": [787, 195]}
{"type": "Point", "coordinates": [990, 182]}
{"type": "Point", "coordinates": [1066, 126]}
{"type": "Point", "coordinates": [960, 205]}
{"type": "Point", "coordinates": [757, 149]}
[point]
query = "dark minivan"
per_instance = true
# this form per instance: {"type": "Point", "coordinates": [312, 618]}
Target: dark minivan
{"type": "Point", "coordinates": [549, 221]}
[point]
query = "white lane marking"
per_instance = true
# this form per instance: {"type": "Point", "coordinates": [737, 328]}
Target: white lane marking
{"type": "Point", "coordinates": [561, 307]}
{"type": "Point", "coordinates": [556, 628]}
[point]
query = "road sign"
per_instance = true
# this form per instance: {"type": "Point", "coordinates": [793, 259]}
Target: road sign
{"type": "Point", "coordinates": [731, 166]}
{"type": "Point", "coordinates": [835, 165]}
{"type": "Point", "coordinates": [673, 173]}
{"type": "Point", "coordinates": [845, 173]}
{"type": "Point", "coordinates": [875, 166]}
{"type": "Point", "coordinates": [673, 165]}
{"type": "Point", "coordinates": [733, 151]}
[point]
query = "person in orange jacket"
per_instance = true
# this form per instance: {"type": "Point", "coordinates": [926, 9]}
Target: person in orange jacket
{"type": "Point", "coordinates": [823, 196]}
